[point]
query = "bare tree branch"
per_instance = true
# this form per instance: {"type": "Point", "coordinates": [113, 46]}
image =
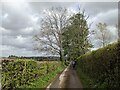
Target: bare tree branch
{"type": "Point", "coordinates": [51, 29]}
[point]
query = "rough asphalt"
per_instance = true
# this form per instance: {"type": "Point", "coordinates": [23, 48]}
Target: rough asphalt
{"type": "Point", "coordinates": [68, 79]}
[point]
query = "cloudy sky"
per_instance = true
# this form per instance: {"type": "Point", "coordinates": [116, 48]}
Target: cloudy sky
{"type": "Point", "coordinates": [21, 20]}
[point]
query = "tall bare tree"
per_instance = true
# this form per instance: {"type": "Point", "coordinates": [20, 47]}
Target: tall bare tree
{"type": "Point", "coordinates": [50, 37]}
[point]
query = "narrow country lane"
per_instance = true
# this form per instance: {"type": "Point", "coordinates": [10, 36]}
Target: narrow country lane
{"type": "Point", "coordinates": [74, 81]}
{"type": "Point", "coordinates": [68, 79]}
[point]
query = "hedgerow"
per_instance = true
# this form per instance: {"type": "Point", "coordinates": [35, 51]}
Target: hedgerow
{"type": "Point", "coordinates": [17, 73]}
{"type": "Point", "coordinates": [102, 66]}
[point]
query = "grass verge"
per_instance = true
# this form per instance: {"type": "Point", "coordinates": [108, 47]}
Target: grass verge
{"type": "Point", "coordinates": [43, 81]}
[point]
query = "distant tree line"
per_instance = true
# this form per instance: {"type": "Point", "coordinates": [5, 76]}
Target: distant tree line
{"type": "Point", "coordinates": [39, 58]}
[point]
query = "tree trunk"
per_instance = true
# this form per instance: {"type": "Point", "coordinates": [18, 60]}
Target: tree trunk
{"type": "Point", "coordinates": [61, 56]}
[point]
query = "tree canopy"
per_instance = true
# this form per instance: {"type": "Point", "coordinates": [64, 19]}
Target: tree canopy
{"type": "Point", "coordinates": [75, 37]}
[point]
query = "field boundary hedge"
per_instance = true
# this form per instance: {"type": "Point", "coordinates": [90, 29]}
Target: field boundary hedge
{"type": "Point", "coordinates": [22, 72]}
{"type": "Point", "coordinates": [102, 66]}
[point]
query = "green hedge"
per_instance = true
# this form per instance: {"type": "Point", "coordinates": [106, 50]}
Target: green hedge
{"type": "Point", "coordinates": [101, 66]}
{"type": "Point", "coordinates": [16, 73]}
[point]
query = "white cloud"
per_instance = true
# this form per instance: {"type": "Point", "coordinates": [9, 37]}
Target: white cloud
{"type": "Point", "coordinates": [19, 42]}
{"type": "Point", "coordinates": [5, 16]}
{"type": "Point", "coordinates": [110, 17]}
{"type": "Point", "coordinates": [21, 20]}
{"type": "Point", "coordinates": [18, 15]}
{"type": "Point", "coordinates": [9, 50]}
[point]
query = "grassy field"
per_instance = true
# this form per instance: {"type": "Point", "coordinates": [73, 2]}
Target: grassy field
{"type": "Point", "coordinates": [24, 73]}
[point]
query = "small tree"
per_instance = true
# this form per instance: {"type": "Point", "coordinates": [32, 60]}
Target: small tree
{"type": "Point", "coordinates": [102, 33]}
